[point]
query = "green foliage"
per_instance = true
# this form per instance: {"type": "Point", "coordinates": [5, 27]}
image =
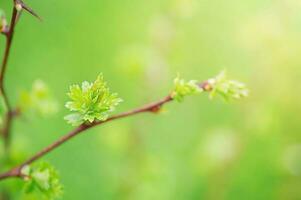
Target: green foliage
{"type": "Point", "coordinates": [38, 100]}
{"type": "Point", "coordinates": [220, 85]}
{"type": "Point", "coordinates": [44, 178]}
{"type": "Point", "coordinates": [227, 89]}
{"type": "Point", "coordinates": [183, 88]}
{"type": "Point", "coordinates": [90, 102]}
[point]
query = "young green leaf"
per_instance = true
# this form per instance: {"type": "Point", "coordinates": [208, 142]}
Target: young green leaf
{"type": "Point", "coordinates": [90, 102]}
{"type": "Point", "coordinates": [38, 100]}
{"type": "Point", "coordinates": [42, 177]}
{"type": "Point", "coordinates": [184, 88]}
{"type": "Point", "coordinates": [227, 89]}
{"type": "Point", "coordinates": [219, 85]}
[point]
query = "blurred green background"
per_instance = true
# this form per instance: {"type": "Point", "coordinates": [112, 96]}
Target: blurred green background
{"type": "Point", "coordinates": [199, 149]}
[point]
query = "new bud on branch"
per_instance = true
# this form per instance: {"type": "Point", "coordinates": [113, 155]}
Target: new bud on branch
{"type": "Point", "coordinates": [90, 102]}
{"type": "Point", "coordinates": [226, 88]}
{"type": "Point", "coordinates": [3, 22]}
{"type": "Point", "coordinates": [219, 85]}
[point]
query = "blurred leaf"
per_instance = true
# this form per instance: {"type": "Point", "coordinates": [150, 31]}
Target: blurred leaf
{"type": "Point", "coordinates": [38, 100]}
{"type": "Point", "coordinates": [183, 88]}
{"type": "Point", "coordinates": [44, 178]}
{"type": "Point", "coordinates": [227, 89]}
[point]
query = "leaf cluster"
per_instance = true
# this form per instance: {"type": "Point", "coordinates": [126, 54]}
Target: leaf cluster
{"type": "Point", "coordinates": [44, 178]}
{"type": "Point", "coordinates": [90, 102]}
{"type": "Point", "coordinates": [227, 89]}
{"type": "Point", "coordinates": [184, 88]}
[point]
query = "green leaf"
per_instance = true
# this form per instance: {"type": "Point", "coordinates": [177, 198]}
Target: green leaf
{"type": "Point", "coordinates": [90, 102]}
{"type": "Point", "coordinates": [44, 178]}
{"type": "Point", "coordinates": [38, 100]}
{"type": "Point", "coordinates": [219, 85]}
{"type": "Point", "coordinates": [26, 170]}
{"type": "Point", "coordinates": [227, 89]}
{"type": "Point", "coordinates": [184, 88]}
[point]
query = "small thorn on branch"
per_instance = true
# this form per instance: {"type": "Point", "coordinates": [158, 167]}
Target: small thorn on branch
{"type": "Point", "coordinates": [20, 5]}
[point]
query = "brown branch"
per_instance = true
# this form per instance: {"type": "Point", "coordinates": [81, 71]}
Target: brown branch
{"type": "Point", "coordinates": [9, 34]}
{"type": "Point", "coordinates": [152, 108]}
{"type": "Point", "coordinates": [9, 114]}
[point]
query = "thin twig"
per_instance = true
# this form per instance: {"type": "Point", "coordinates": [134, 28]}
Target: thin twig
{"type": "Point", "coordinates": [9, 116]}
{"type": "Point", "coordinates": [10, 113]}
{"type": "Point", "coordinates": [9, 34]}
{"type": "Point", "coordinates": [152, 108]}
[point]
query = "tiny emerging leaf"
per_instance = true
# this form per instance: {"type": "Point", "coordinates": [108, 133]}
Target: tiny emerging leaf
{"type": "Point", "coordinates": [184, 88]}
{"type": "Point", "coordinates": [227, 89]}
{"type": "Point", "coordinates": [219, 85]}
{"type": "Point", "coordinates": [90, 102]}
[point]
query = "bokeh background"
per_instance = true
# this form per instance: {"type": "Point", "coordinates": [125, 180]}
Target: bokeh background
{"type": "Point", "coordinates": [199, 149]}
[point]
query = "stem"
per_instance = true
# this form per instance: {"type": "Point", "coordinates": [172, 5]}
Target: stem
{"type": "Point", "coordinates": [9, 116]}
{"type": "Point", "coordinates": [148, 108]}
{"type": "Point", "coordinates": [152, 108]}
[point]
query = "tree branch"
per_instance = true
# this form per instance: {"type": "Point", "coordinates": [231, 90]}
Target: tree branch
{"type": "Point", "coordinates": [9, 114]}
{"type": "Point", "coordinates": [152, 108]}
{"type": "Point", "coordinates": [9, 34]}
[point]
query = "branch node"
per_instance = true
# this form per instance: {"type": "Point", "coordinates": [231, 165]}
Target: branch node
{"type": "Point", "coordinates": [155, 109]}
{"type": "Point", "coordinates": [207, 86]}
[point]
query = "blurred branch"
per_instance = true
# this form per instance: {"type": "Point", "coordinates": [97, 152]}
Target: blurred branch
{"type": "Point", "coordinates": [149, 108]}
{"type": "Point", "coordinates": [9, 34]}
